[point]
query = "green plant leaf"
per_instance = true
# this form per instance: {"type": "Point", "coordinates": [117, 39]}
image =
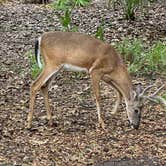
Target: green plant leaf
{"type": "Point", "coordinates": [61, 4]}
{"type": "Point", "coordinates": [141, 60]}
{"type": "Point", "coordinates": [100, 32]}
{"type": "Point", "coordinates": [34, 68]}
{"type": "Point", "coordinates": [82, 2]}
{"type": "Point", "coordinates": [66, 19]}
{"type": "Point", "coordinates": [129, 7]}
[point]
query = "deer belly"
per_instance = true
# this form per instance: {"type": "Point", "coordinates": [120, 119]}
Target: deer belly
{"type": "Point", "coordinates": [70, 67]}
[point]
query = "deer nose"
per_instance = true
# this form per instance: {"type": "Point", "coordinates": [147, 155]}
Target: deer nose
{"type": "Point", "coordinates": [135, 126]}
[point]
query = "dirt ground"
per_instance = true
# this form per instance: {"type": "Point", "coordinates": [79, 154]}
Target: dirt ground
{"type": "Point", "coordinates": [74, 138]}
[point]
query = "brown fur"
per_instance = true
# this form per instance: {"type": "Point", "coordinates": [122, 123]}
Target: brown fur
{"type": "Point", "coordinates": [99, 58]}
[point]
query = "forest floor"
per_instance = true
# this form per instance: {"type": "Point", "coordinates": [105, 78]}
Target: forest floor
{"type": "Point", "coordinates": [74, 138]}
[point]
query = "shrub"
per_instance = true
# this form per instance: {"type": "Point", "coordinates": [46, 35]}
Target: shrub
{"type": "Point", "coordinates": [156, 57]}
{"type": "Point", "coordinates": [67, 6]}
{"type": "Point", "coordinates": [132, 53]}
{"type": "Point", "coordinates": [129, 6]}
{"type": "Point", "coordinates": [142, 61]}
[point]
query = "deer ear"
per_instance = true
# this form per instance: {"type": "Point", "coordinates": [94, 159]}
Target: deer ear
{"type": "Point", "coordinates": [137, 92]}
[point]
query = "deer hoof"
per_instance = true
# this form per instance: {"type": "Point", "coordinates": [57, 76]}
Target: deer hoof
{"type": "Point", "coordinates": [29, 125]}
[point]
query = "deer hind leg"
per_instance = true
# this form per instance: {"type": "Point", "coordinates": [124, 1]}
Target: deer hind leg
{"type": "Point", "coordinates": [118, 93]}
{"type": "Point", "coordinates": [44, 90]}
{"type": "Point", "coordinates": [96, 77]}
{"type": "Point", "coordinates": [35, 87]}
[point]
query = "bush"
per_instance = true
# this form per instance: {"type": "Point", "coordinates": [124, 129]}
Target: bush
{"type": "Point", "coordinates": [67, 6]}
{"type": "Point", "coordinates": [129, 6]}
{"type": "Point", "coordinates": [142, 61]}
{"type": "Point", "coordinates": [156, 57]}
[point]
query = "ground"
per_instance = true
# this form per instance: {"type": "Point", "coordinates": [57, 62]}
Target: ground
{"type": "Point", "coordinates": [74, 138]}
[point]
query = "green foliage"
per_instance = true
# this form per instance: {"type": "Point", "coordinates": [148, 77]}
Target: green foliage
{"type": "Point", "coordinates": [164, 96]}
{"type": "Point", "coordinates": [157, 57]}
{"type": "Point", "coordinates": [129, 7]}
{"type": "Point", "coordinates": [66, 20]}
{"type": "Point", "coordinates": [143, 61]}
{"type": "Point", "coordinates": [100, 32]}
{"type": "Point", "coordinates": [131, 50]}
{"type": "Point", "coordinates": [67, 6]}
{"type": "Point", "coordinates": [61, 4]}
{"type": "Point", "coordinates": [82, 2]}
{"type": "Point", "coordinates": [35, 70]}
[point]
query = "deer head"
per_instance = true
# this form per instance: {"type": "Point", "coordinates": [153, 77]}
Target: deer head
{"type": "Point", "coordinates": [134, 109]}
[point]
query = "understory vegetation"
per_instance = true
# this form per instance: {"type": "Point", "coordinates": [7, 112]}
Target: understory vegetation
{"type": "Point", "coordinates": [143, 59]}
{"type": "Point", "coordinates": [34, 69]}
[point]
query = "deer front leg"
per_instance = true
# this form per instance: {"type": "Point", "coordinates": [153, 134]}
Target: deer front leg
{"type": "Point", "coordinates": [118, 93]}
{"type": "Point", "coordinates": [95, 77]}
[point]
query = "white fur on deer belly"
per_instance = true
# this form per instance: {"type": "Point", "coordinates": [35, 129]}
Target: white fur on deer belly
{"type": "Point", "coordinates": [70, 67]}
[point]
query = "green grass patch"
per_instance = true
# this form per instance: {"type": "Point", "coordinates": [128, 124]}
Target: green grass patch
{"type": "Point", "coordinates": [34, 68]}
{"type": "Point", "coordinates": [164, 96]}
{"type": "Point", "coordinates": [100, 32]}
{"type": "Point", "coordinates": [143, 60]}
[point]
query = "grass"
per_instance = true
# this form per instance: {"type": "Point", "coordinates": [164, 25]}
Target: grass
{"type": "Point", "coordinates": [164, 96]}
{"type": "Point", "coordinates": [143, 60]}
{"type": "Point", "coordinates": [34, 68]}
{"type": "Point", "coordinates": [100, 32]}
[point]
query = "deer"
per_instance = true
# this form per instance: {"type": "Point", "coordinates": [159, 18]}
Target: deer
{"type": "Point", "coordinates": [80, 52]}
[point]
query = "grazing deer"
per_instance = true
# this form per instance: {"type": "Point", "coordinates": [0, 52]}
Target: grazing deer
{"type": "Point", "coordinates": [80, 52]}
